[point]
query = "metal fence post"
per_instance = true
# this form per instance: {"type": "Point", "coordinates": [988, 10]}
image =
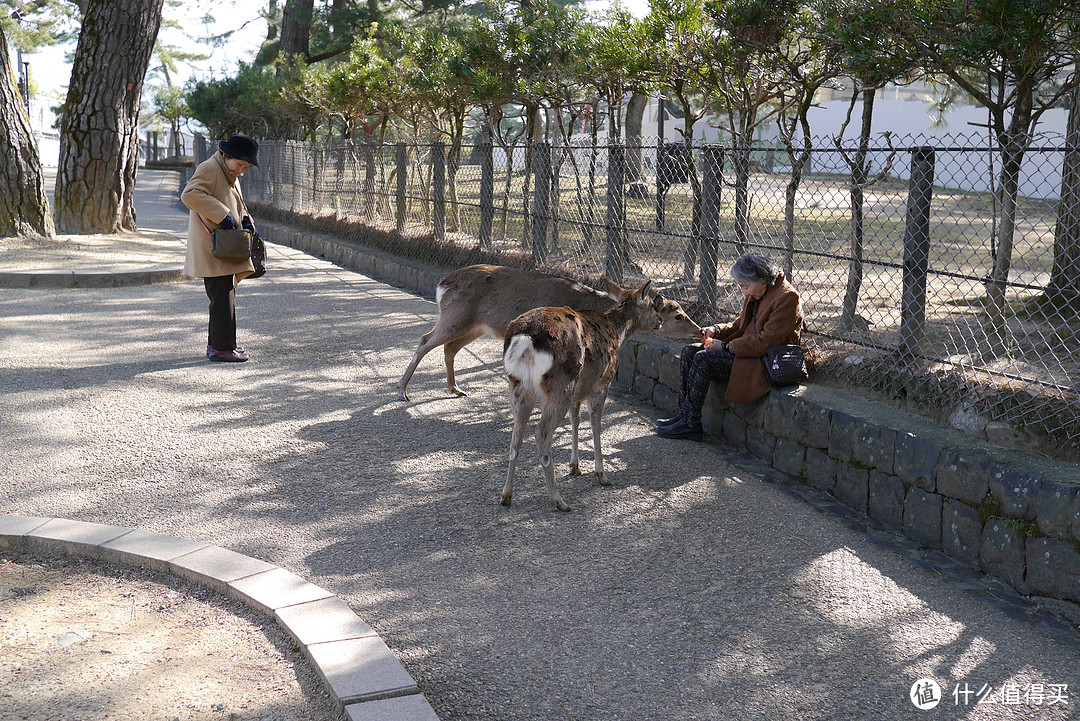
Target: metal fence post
{"type": "Point", "coordinates": [401, 155]}
{"type": "Point", "coordinates": [541, 199]}
{"type": "Point", "coordinates": [616, 256]}
{"type": "Point", "coordinates": [916, 253]}
{"type": "Point", "coordinates": [487, 193]}
{"type": "Point", "coordinates": [438, 189]}
{"type": "Point", "coordinates": [712, 183]}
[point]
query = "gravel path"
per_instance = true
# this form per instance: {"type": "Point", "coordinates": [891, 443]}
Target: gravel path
{"type": "Point", "coordinates": [691, 589]}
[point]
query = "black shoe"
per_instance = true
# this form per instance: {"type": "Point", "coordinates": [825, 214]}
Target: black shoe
{"type": "Point", "coordinates": [680, 430]}
{"type": "Point", "coordinates": [668, 421]}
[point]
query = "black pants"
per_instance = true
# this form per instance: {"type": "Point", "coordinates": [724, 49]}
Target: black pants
{"type": "Point", "coordinates": [700, 367]}
{"type": "Point", "coordinates": [219, 290]}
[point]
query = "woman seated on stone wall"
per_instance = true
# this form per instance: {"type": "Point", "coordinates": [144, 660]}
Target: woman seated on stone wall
{"type": "Point", "coordinates": [771, 315]}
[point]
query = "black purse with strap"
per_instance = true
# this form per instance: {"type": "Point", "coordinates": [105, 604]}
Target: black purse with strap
{"type": "Point", "coordinates": [785, 365]}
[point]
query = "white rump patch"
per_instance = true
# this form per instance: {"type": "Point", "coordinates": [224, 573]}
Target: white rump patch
{"type": "Point", "coordinates": [439, 292]}
{"type": "Point", "coordinates": [525, 363]}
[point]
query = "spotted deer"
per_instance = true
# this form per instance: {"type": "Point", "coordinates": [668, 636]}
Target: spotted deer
{"type": "Point", "coordinates": [481, 299]}
{"type": "Point", "coordinates": [558, 358]}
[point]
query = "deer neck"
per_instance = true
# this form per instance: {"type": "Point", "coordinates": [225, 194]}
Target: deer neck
{"type": "Point", "coordinates": [623, 319]}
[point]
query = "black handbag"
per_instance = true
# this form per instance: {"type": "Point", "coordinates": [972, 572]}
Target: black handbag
{"type": "Point", "coordinates": [785, 365]}
{"type": "Point", "coordinates": [258, 256]}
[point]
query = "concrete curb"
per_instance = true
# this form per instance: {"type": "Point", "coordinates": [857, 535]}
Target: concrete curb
{"type": "Point", "coordinates": [358, 668]}
{"type": "Point", "coordinates": [89, 278]}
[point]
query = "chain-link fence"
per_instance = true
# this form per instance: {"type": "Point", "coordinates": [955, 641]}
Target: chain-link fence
{"type": "Point", "coordinates": [923, 268]}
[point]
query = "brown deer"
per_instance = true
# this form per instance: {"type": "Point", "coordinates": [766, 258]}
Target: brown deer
{"type": "Point", "coordinates": [482, 299]}
{"type": "Point", "coordinates": [558, 358]}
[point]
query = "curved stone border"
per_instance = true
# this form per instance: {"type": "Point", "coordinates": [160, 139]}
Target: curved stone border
{"type": "Point", "coordinates": [89, 278]}
{"type": "Point", "coordinates": [358, 668]}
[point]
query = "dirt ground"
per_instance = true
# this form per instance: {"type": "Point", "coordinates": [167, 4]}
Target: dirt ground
{"type": "Point", "coordinates": [80, 642]}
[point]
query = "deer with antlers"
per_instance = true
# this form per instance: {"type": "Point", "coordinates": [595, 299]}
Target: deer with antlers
{"type": "Point", "coordinates": [558, 358]}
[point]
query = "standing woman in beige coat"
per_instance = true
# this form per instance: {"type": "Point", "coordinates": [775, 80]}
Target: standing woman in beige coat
{"type": "Point", "coordinates": [213, 196]}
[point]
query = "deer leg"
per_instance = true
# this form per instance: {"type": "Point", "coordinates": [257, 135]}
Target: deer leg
{"type": "Point", "coordinates": [521, 407]}
{"type": "Point", "coordinates": [434, 337]}
{"type": "Point", "coordinates": [596, 412]}
{"type": "Point", "coordinates": [575, 421]}
{"type": "Point", "coordinates": [550, 418]}
{"type": "Point", "coordinates": [450, 350]}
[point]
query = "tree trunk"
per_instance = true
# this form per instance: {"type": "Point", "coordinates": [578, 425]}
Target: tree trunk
{"type": "Point", "coordinates": [296, 27]}
{"type": "Point", "coordinates": [1013, 147]}
{"type": "Point", "coordinates": [635, 114]}
{"type": "Point", "coordinates": [99, 143]}
{"type": "Point", "coordinates": [24, 208]}
{"type": "Point", "coordinates": [1065, 277]}
{"type": "Point", "coordinates": [859, 174]}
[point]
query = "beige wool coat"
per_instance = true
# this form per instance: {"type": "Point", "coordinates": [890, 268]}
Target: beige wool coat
{"type": "Point", "coordinates": [778, 321]}
{"type": "Point", "coordinates": [212, 193]}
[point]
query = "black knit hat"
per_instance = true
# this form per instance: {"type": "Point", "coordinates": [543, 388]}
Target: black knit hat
{"type": "Point", "coordinates": [241, 147]}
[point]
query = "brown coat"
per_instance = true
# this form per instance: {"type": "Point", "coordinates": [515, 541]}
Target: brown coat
{"type": "Point", "coordinates": [212, 193]}
{"type": "Point", "coordinates": [778, 321]}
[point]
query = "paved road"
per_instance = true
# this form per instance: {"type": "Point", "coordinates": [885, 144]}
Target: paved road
{"type": "Point", "coordinates": [691, 589]}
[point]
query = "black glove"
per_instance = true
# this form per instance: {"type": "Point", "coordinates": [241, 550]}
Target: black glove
{"type": "Point", "coordinates": [228, 223]}
{"type": "Point", "coordinates": [246, 222]}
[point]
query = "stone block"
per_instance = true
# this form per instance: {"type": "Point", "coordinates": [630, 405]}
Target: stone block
{"type": "Point", "coordinates": [789, 457]}
{"type": "Point", "coordinates": [915, 459]}
{"type": "Point", "coordinates": [961, 532]}
{"type": "Point", "coordinates": [761, 443]}
{"type": "Point", "coordinates": [874, 446]}
{"type": "Point", "coordinates": [886, 500]}
{"type": "Point", "coordinates": [671, 371]}
{"type": "Point", "coordinates": [922, 517]}
{"type": "Point", "coordinates": [624, 372]}
{"type": "Point", "coordinates": [643, 385]}
{"type": "Point", "coordinates": [780, 416]}
{"type": "Point", "coordinates": [664, 398]}
{"type": "Point", "coordinates": [274, 589]}
{"type": "Point", "coordinates": [1014, 491]}
{"type": "Point", "coordinates": [712, 421]}
{"type": "Point", "coordinates": [734, 429]}
{"type": "Point", "coordinates": [813, 422]}
{"type": "Point", "coordinates": [1002, 552]}
{"type": "Point", "coordinates": [1055, 507]}
{"type": "Point", "coordinates": [217, 567]}
{"type": "Point", "coordinates": [1053, 569]}
{"type": "Point", "coordinates": [361, 669]}
{"type": "Point", "coordinates": [964, 475]}
{"type": "Point", "coordinates": [842, 434]}
{"type": "Point", "coordinates": [820, 469]}
{"type": "Point", "coordinates": [400, 708]}
{"type": "Point", "coordinates": [752, 413]}
{"type": "Point", "coordinates": [852, 486]}
{"type": "Point", "coordinates": [648, 361]}
{"type": "Point", "coordinates": [322, 621]}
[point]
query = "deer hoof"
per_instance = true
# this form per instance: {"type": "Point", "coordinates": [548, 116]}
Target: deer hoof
{"type": "Point", "coordinates": [575, 469]}
{"type": "Point", "coordinates": [505, 500]}
{"type": "Point", "coordinates": [602, 479]}
{"type": "Point", "coordinates": [561, 505]}
{"type": "Point", "coordinates": [458, 392]}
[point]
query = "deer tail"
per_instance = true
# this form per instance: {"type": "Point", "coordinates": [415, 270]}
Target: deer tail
{"type": "Point", "coordinates": [525, 362]}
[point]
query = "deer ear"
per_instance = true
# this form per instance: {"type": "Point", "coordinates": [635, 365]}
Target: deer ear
{"type": "Point", "coordinates": [612, 289]}
{"type": "Point", "coordinates": [645, 287]}
{"type": "Point", "coordinates": [658, 302]}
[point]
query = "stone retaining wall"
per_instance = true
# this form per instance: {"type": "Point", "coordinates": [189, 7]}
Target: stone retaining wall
{"type": "Point", "coordinates": [907, 474]}
{"type": "Point", "coordinates": [936, 486]}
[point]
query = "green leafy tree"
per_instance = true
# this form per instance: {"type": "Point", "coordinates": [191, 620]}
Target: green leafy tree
{"type": "Point", "coordinates": [1025, 53]}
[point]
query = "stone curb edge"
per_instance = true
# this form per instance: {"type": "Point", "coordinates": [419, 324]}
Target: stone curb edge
{"type": "Point", "coordinates": [359, 669]}
{"type": "Point", "coordinates": [89, 278]}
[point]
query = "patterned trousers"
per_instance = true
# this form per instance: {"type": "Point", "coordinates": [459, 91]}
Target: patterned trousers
{"type": "Point", "coordinates": [700, 367]}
